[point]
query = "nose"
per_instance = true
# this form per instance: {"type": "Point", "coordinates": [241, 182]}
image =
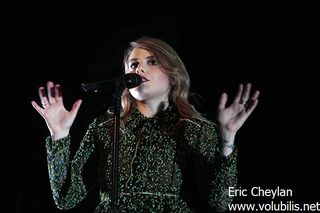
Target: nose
{"type": "Point", "coordinates": [139, 69]}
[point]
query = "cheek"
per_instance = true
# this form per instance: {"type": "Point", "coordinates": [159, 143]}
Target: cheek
{"type": "Point", "coordinates": [164, 81]}
{"type": "Point", "coordinates": [166, 85]}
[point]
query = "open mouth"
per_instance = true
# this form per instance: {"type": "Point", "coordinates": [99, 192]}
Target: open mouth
{"type": "Point", "coordinates": [144, 79]}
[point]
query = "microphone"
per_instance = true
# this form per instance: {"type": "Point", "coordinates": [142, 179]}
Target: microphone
{"type": "Point", "coordinates": [129, 80]}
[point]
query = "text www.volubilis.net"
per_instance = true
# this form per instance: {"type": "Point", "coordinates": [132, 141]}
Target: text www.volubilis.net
{"type": "Point", "coordinates": [272, 206]}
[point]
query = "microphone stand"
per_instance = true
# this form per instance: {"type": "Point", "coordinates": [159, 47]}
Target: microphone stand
{"type": "Point", "coordinates": [116, 140]}
{"type": "Point", "coordinates": [129, 80]}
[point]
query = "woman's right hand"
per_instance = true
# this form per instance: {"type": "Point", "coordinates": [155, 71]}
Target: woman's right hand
{"type": "Point", "coordinates": [57, 118]}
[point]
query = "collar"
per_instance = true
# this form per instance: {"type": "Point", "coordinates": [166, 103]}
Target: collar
{"type": "Point", "coordinates": [167, 116]}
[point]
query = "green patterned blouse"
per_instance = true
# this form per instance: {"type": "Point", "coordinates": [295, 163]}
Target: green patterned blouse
{"type": "Point", "coordinates": [166, 164]}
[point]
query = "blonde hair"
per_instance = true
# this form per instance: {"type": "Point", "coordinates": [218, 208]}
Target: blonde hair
{"type": "Point", "coordinates": [173, 67]}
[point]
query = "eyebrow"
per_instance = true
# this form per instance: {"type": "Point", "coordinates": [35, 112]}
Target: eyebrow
{"type": "Point", "coordinates": [146, 58]}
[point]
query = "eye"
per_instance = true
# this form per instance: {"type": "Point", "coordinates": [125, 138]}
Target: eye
{"type": "Point", "coordinates": [152, 61]}
{"type": "Point", "coordinates": [133, 65]}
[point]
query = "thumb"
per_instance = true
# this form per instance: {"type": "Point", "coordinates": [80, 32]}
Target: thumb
{"type": "Point", "coordinates": [37, 107]}
{"type": "Point", "coordinates": [222, 101]}
{"type": "Point", "coordinates": [75, 107]}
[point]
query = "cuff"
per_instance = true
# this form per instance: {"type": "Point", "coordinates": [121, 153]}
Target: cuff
{"type": "Point", "coordinates": [230, 159]}
{"type": "Point", "coordinates": [58, 145]}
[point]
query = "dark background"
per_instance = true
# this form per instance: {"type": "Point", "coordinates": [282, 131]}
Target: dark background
{"type": "Point", "coordinates": [271, 46]}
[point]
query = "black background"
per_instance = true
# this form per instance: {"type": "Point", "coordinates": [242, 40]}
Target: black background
{"type": "Point", "coordinates": [271, 46]}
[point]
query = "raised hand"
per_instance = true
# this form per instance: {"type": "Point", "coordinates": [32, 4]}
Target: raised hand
{"type": "Point", "coordinates": [57, 118]}
{"type": "Point", "coordinates": [231, 118]}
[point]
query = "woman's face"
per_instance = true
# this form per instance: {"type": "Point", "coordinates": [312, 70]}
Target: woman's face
{"type": "Point", "coordinates": [155, 84]}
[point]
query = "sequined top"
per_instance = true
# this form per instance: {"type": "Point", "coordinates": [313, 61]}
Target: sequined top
{"type": "Point", "coordinates": [166, 164]}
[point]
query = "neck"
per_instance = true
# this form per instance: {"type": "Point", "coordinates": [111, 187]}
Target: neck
{"type": "Point", "coordinates": [150, 109]}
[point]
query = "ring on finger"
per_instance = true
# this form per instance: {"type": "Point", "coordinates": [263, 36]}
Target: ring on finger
{"type": "Point", "coordinates": [242, 102]}
{"type": "Point", "coordinates": [45, 104]}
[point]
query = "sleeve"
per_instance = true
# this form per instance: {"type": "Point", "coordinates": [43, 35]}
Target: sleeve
{"type": "Point", "coordinates": [65, 175]}
{"type": "Point", "coordinates": [225, 176]}
{"type": "Point", "coordinates": [215, 173]}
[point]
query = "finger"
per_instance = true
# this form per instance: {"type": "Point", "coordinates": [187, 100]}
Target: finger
{"type": "Point", "coordinates": [239, 93]}
{"type": "Point", "coordinates": [255, 95]}
{"type": "Point", "coordinates": [58, 93]}
{"type": "Point", "coordinates": [43, 96]}
{"type": "Point", "coordinates": [38, 108]}
{"type": "Point", "coordinates": [75, 107]}
{"type": "Point", "coordinates": [51, 92]}
{"type": "Point", "coordinates": [251, 106]}
{"type": "Point", "coordinates": [222, 101]}
{"type": "Point", "coordinates": [246, 93]}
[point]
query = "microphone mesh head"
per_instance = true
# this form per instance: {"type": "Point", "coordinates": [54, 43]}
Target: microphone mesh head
{"type": "Point", "coordinates": [132, 80]}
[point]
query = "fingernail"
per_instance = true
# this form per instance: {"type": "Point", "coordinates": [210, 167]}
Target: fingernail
{"type": "Point", "coordinates": [59, 90]}
{"type": "Point", "coordinates": [42, 91]}
{"type": "Point", "coordinates": [53, 94]}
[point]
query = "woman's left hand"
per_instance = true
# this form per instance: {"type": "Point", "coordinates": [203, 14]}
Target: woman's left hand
{"type": "Point", "coordinates": [231, 118]}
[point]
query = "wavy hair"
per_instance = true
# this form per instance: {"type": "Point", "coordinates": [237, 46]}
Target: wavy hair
{"type": "Point", "coordinates": [173, 67]}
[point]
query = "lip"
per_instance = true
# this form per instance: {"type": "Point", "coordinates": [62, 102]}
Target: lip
{"type": "Point", "coordinates": [144, 79]}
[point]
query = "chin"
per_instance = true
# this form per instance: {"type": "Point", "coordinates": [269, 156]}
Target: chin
{"type": "Point", "coordinates": [137, 95]}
